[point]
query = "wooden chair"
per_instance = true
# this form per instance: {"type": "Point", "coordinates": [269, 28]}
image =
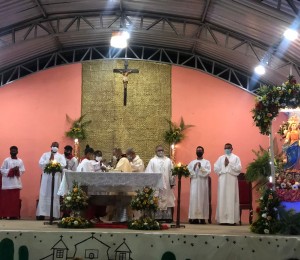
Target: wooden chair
{"type": "Point", "coordinates": [245, 195]}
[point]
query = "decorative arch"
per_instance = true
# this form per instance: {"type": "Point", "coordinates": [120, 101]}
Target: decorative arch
{"type": "Point", "coordinates": [271, 99]}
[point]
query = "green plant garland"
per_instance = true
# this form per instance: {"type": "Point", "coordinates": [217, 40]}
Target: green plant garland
{"type": "Point", "coordinates": [272, 98]}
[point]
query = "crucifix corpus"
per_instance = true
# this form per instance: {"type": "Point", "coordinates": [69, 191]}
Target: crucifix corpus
{"type": "Point", "coordinates": [125, 72]}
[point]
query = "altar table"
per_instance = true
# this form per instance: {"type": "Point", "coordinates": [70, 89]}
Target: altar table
{"type": "Point", "coordinates": [99, 182]}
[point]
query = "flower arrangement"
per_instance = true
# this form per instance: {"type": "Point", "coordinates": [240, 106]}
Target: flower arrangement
{"type": "Point", "coordinates": [267, 211]}
{"type": "Point", "coordinates": [289, 180]}
{"type": "Point", "coordinates": [272, 98]}
{"type": "Point", "coordinates": [52, 167]}
{"type": "Point", "coordinates": [180, 170]}
{"type": "Point", "coordinates": [273, 218]}
{"type": "Point", "coordinates": [145, 223]}
{"type": "Point", "coordinates": [77, 130]}
{"type": "Point", "coordinates": [74, 222]}
{"type": "Point", "coordinates": [146, 201]}
{"type": "Point", "coordinates": [175, 133]}
{"type": "Point", "coordinates": [75, 200]}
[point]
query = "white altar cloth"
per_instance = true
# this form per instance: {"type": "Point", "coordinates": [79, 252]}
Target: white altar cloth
{"type": "Point", "coordinates": [99, 182]}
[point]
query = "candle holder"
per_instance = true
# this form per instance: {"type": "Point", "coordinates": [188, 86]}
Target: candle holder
{"type": "Point", "coordinates": [76, 148]}
{"type": "Point", "coordinates": [179, 170]}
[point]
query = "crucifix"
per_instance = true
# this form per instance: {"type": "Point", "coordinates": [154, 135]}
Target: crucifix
{"type": "Point", "coordinates": [125, 72]}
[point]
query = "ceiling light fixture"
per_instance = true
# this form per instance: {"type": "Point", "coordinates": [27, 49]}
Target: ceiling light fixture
{"type": "Point", "coordinates": [260, 70]}
{"type": "Point", "coordinates": [119, 39]}
{"type": "Point", "coordinates": [291, 34]}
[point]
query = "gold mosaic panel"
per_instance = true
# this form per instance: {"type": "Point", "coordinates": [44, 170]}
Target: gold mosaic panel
{"type": "Point", "coordinates": [141, 123]}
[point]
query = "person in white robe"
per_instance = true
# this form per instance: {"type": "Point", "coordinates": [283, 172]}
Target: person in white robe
{"type": "Point", "coordinates": [123, 164]}
{"type": "Point", "coordinates": [199, 194]}
{"type": "Point", "coordinates": [162, 164]}
{"type": "Point", "coordinates": [228, 167]}
{"type": "Point", "coordinates": [87, 163]}
{"type": "Point", "coordinates": [71, 160]}
{"type": "Point", "coordinates": [98, 162]}
{"type": "Point", "coordinates": [136, 162]}
{"type": "Point", "coordinates": [43, 208]}
{"type": "Point", "coordinates": [121, 211]}
{"type": "Point", "coordinates": [11, 170]}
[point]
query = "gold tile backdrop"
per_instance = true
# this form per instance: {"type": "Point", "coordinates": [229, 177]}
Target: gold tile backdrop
{"type": "Point", "coordinates": [141, 124]}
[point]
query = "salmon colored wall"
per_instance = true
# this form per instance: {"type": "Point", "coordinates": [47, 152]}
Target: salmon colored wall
{"type": "Point", "coordinates": [33, 114]}
{"type": "Point", "coordinates": [220, 113]}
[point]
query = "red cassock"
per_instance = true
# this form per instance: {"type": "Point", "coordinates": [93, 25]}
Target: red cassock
{"type": "Point", "coordinates": [10, 203]}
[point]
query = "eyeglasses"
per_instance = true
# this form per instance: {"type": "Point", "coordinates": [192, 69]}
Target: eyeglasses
{"type": "Point", "coordinates": [159, 150]}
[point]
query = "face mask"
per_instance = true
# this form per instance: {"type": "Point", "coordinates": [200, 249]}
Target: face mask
{"type": "Point", "coordinates": [199, 154]}
{"type": "Point", "coordinates": [98, 158]}
{"type": "Point", "coordinates": [54, 149]}
{"type": "Point", "coordinates": [227, 151]}
{"type": "Point", "coordinates": [13, 154]}
{"type": "Point", "coordinates": [115, 158]}
{"type": "Point", "coordinates": [160, 154]}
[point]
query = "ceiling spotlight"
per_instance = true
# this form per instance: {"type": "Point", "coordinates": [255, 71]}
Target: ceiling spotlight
{"type": "Point", "coordinates": [119, 39]}
{"type": "Point", "coordinates": [291, 34]}
{"type": "Point", "coordinates": [260, 70]}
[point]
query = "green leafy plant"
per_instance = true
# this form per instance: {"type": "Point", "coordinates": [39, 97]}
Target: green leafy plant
{"type": "Point", "coordinates": [259, 170]}
{"type": "Point", "coordinates": [289, 222]}
{"type": "Point", "coordinates": [78, 128]}
{"type": "Point", "coordinates": [175, 133]}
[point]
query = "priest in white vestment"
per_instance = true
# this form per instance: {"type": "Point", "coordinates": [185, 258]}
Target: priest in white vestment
{"type": "Point", "coordinates": [199, 195]}
{"type": "Point", "coordinates": [136, 162]}
{"type": "Point", "coordinates": [228, 167]}
{"type": "Point", "coordinates": [162, 164]}
{"type": "Point", "coordinates": [44, 205]}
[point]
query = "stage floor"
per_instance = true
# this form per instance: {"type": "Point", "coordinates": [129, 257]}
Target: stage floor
{"type": "Point", "coordinates": [33, 240]}
{"type": "Point", "coordinates": [34, 225]}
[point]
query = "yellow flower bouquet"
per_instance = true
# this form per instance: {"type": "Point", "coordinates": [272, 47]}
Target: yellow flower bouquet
{"type": "Point", "coordinates": [181, 170]}
{"type": "Point", "coordinates": [74, 222]}
{"type": "Point", "coordinates": [52, 167]}
{"type": "Point", "coordinates": [147, 202]}
{"type": "Point", "coordinates": [75, 200]}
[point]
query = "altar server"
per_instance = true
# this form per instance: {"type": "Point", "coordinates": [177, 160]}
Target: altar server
{"type": "Point", "coordinates": [71, 160]}
{"type": "Point", "coordinates": [162, 164]}
{"type": "Point", "coordinates": [12, 169]}
{"type": "Point", "coordinates": [199, 196]}
{"type": "Point", "coordinates": [228, 167]}
{"type": "Point", "coordinates": [43, 208]}
{"type": "Point", "coordinates": [87, 164]}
